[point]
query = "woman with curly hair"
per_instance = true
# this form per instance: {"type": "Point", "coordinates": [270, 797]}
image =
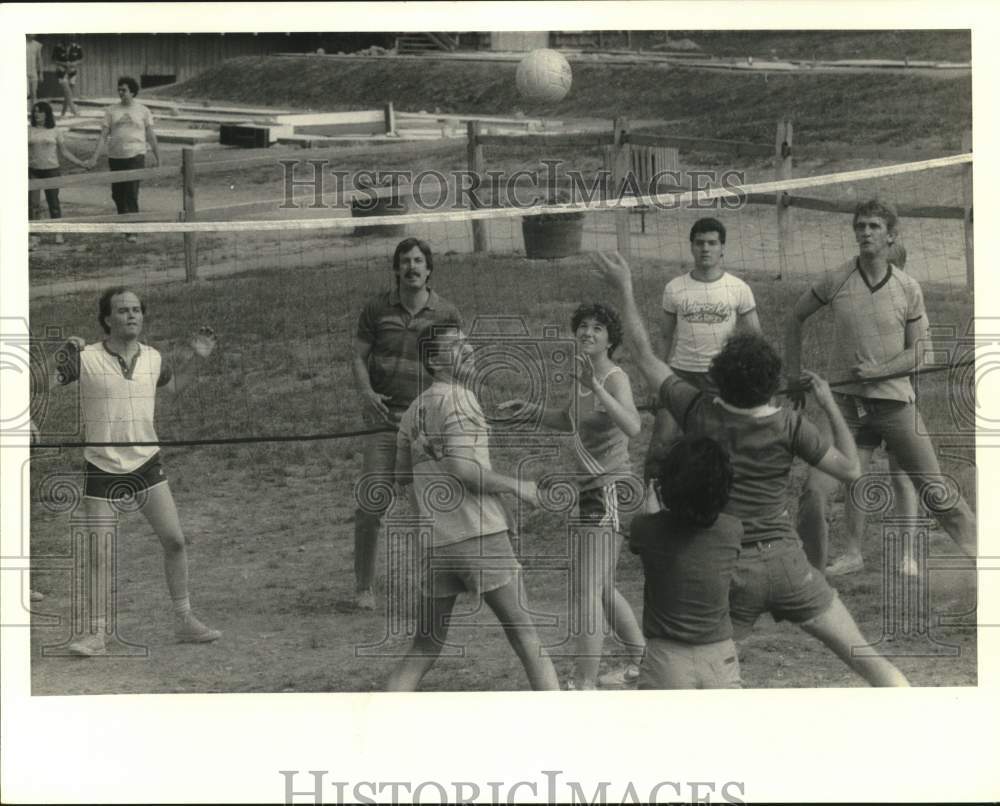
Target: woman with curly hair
{"type": "Point", "coordinates": [602, 417]}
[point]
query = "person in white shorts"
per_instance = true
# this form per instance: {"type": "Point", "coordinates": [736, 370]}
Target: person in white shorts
{"type": "Point", "coordinates": [443, 458]}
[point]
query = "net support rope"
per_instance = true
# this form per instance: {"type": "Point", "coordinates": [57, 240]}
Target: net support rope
{"type": "Point", "coordinates": [670, 200]}
{"type": "Point", "coordinates": [334, 435]}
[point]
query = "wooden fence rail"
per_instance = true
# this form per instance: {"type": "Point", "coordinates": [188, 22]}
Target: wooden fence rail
{"type": "Point", "coordinates": [616, 144]}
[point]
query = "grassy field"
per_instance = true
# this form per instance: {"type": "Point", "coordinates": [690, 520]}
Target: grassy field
{"type": "Point", "coordinates": [912, 110]}
{"type": "Point", "coordinates": [272, 523]}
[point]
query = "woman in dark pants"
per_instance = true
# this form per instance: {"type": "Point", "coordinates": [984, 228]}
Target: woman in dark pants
{"type": "Point", "coordinates": [45, 144]}
{"type": "Point", "coordinates": [127, 129]}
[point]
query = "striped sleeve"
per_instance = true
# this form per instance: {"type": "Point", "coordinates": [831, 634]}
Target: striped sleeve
{"type": "Point", "coordinates": [368, 323]}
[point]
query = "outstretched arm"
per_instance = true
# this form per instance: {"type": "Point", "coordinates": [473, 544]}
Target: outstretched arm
{"type": "Point", "coordinates": [478, 479]}
{"type": "Point", "coordinates": [69, 156]}
{"type": "Point", "coordinates": [154, 146]}
{"type": "Point", "coordinates": [841, 459]}
{"type": "Point", "coordinates": [201, 345]}
{"type": "Point", "coordinates": [616, 271]}
{"type": "Point", "coordinates": [915, 345]}
{"type": "Point", "coordinates": [615, 395]}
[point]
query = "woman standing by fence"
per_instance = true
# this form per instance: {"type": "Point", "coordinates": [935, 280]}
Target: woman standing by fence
{"type": "Point", "coordinates": [127, 128]}
{"type": "Point", "coordinates": [45, 144]}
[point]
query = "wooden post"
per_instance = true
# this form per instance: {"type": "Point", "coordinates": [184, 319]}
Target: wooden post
{"type": "Point", "coordinates": [190, 238]}
{"type": "Point", "coordinates": [783, 170]}
{"type": "Point", "coordinates": [480, 236]}
{"type": "Point", "coordinates": [621, 162]}
{"type": "Point", "coordinates": [390, 119]}
{"type": "Point", "coordinates": [970, 274]}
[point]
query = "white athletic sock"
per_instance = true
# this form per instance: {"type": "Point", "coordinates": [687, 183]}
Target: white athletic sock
{"type": "Point", "coordinates": [182, 606]}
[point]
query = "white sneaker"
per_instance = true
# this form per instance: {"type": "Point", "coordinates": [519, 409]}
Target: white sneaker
{"type": "Point", "coordinates": [59, 238]}
{"type": "Point", "coordinates": [90, 645]}
{"type": "Point", "coordinates": [845, 564]}
{"type": "Point", "coordinates": [191, 631]}
{"type": "Point", "coordinates": [364, 600]}
{"type": "Point", "coordinates": [627, 675]}
{"type": "Point", "coordinates": [37, 596]}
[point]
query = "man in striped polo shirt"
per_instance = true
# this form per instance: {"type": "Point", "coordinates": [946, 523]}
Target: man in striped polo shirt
{"type": "Point", "coordinates": [386, 370]}
{"type": "Point", "coordinates": [881, 329]}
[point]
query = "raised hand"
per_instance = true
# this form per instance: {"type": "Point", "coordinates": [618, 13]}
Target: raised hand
{"type": "Point", "coordinates": [612, 267]}
{"type": "Point", "coordinates": [584, 373]}
{"type": "Point", "coordinates": [819, 388]}
{"type": "Point", "coordinates": [796, 393]}
{"type": "Point", "coordinates": [204, 341]}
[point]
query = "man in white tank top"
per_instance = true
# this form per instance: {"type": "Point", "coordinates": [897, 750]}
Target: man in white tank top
{"type": "Point", "coordinates": [119, 378]}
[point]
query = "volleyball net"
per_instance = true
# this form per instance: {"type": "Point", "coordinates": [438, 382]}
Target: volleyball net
{"type": "Point", "coordinates": [284, 291]}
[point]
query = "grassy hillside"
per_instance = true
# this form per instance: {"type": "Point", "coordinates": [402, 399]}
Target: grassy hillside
{"type": "Point", "coordinates": [949, 46]}
{"type": "Point", "coordinates": [859, 108]}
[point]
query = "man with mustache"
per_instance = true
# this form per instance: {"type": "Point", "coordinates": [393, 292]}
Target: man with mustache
{"type": "Point", "coordinates": [386, 370]}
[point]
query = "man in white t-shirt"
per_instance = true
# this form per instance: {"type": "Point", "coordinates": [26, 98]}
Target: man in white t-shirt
{"type": "Point", "coordinates": [119, 378]}
{"type": "Point", "coordinates": [701, 310]}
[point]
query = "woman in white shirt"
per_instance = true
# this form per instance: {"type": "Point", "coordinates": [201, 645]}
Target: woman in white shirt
{"type": "Point", "coordinates": [45, 144]}
{"type": "Point", "coordinates": [127, 129]}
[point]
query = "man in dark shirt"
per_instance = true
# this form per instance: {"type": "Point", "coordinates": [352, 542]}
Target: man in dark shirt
{"type": "Point", "coordinates": [386, 372]}
{"type": "Point", "coordinates": [772, 574]}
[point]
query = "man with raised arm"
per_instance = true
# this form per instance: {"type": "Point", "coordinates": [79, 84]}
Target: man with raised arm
{"type": "Point", "coordinates": [762, 440]}
{"type": "Point", "coordinates": [119, 377]}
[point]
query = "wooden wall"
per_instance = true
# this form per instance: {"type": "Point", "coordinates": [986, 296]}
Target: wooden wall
{"type": "Point", "coordinates": [518, 40]}
{"type": "Point", "coordinates": [108, 56]}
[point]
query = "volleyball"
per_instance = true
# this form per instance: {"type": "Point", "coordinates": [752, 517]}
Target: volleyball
{"type": "Point", "coordinates": [544, 75]}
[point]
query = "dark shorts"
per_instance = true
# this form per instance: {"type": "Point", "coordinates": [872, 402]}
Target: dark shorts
{"type": "Point", "coordinates": [869, 418]}
{"type": "Point", "coordinates": [699, 380]}
{"type": "Point", "coordinates": [62, 72]}
{"type": "Point", "coordinates": [774, 576]}
{"type": "Point", "coordinates": [123, 486]}
{"type": "Point", "coordinates": [602, 506]}
{"type": "Point", "coordinates": [477, 565]}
